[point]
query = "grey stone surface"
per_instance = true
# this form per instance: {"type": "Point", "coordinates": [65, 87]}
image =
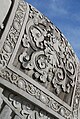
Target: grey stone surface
{"type": "Point", "coordinates": [39, 71]}
{"type": "Point", "coordinates": [6, 112]}
{"type": "Point", "coordinates": [4, 9]}
{"type": "Point", "coordinates": [16, 117]}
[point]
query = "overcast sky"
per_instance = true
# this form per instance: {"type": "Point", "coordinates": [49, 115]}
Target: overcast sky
{"type": "Point", "coordinates": [65, 14]}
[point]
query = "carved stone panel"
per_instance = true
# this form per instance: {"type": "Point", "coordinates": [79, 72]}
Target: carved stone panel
{"type": "Point", "coordinates": [45, 57]}
{"type": "Point", "coordinates": [38, 63]}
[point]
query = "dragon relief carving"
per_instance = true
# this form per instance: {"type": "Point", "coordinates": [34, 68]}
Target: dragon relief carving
{"type": "Point", "coordinates": [49, 58]}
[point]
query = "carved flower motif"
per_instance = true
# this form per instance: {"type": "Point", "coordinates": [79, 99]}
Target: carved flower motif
{"type": "Point", "coordinates": [43, 98]}
{"type": "Point", "coordinates": [31, 89]}
{"type": "Point", "coordinates": [13, 78]}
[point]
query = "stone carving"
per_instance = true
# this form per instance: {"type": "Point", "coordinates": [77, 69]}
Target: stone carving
{"type": "Point", "coordinates": [51, 59]}
{"type": "Point", "coordinates": [26, 109]}
{"type": "Point", "coordinates": [76, 106]}
{"type": "Point", "coordinates": [35, 92]}
{"type": "Point", "coordinates": [21, 107]}
{"type": "Point", "coordinates": [44, 55]}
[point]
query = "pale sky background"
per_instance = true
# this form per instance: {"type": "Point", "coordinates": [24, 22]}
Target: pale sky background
{"type": "Point", "coordinates": [65, 14]}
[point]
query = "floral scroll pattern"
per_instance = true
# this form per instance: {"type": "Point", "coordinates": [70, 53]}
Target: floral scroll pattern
{"type": "Point", "coordinates": [49, 57]}
{"type": "Point", "coordinates": [13, 35]}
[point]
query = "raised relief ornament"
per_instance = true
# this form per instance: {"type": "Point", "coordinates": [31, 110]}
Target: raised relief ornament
{"type": "Point", "coordinates": [39, 71]}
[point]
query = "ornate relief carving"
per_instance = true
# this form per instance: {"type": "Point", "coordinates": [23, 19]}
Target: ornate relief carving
{"type": "Point", "coordinates": [76, 106]}
{"type": "Point", "coordinates": [13, 35]}
{"type": "Point", "coordinates": [35, 92]}
{"type": "Point", "coordinates": [26, 109]}
{"type": "Point", "coordinates": [23, 108]}
{"type": "Point", "coordinates": [45, 57]}
{"type": "Point", "coordinates": [51, 59]}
